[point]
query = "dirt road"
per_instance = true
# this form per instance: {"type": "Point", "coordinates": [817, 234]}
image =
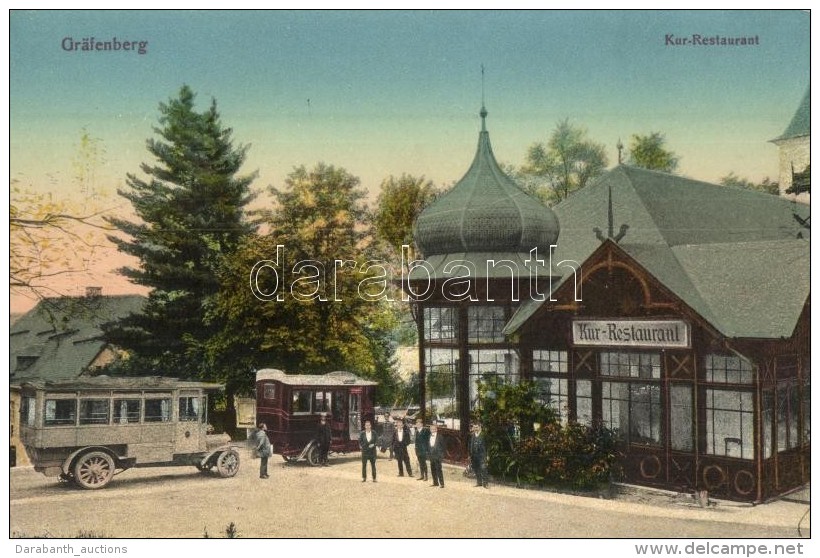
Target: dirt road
{"type": "Point", "coordinates": [300, 501]}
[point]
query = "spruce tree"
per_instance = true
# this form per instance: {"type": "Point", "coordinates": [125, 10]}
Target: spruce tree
{"type": "Point", "coordinates": [191, 210]}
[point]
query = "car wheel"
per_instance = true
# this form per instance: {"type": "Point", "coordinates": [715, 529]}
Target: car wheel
{"type": "Point", "coordinates": [227, 464]}
{"type": "Point", "coordinates": [94, 470]}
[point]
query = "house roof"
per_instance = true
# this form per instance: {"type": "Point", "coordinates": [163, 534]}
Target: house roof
{"type": "Point", "coordinates": [732, 255]}
{"type": "Point", "coordinates": [60, 337]}
{"type": "Point", "coordinates": [800, 124]}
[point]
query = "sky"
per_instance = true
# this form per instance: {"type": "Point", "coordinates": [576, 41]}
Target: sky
{"type": "Point", "coordinates": [384, 93]}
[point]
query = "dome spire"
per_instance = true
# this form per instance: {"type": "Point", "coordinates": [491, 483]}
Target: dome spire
{"type": "Point", "coordinates": [483, 112]}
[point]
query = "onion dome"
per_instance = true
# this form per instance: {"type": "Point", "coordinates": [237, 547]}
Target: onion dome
{"type": "Point", "coordinates": [486, 211]}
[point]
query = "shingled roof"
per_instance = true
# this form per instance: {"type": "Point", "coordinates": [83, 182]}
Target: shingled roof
{"type": "Point", "coordinates": [736, 257]}
{"type": "Point", "coordinates": [800, 124]}
{"type": "Point", "coordinates": [484, 214]}
{"type": "Point", "coordinates": [60, 337]}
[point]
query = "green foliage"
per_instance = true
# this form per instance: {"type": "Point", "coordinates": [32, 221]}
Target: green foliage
{"type": "Point", "coordinates": [527, 442]}
{"type": "Point", "coordinates": [566, 163]}
{"type": "Point", "coordinates": [767, 186]}
{"type": "Point", "coordinates": [400, 202]}
{"type": "Point", "coordinates": [322, 323]}
{"type": "Point", "coordinates": [649, 152]}
{"type": "Point", "coordinates": [191, 216]}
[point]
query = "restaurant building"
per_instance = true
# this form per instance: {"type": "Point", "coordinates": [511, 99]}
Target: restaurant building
{"type": "Point", "coordinates": [673, 311]}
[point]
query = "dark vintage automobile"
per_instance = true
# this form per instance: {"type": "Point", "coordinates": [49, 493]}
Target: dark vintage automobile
{"type": "Point", "coordinates": [290, 406]}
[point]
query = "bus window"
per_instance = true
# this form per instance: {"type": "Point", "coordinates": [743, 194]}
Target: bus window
{"type": "Point", "coordinates": [60, 412]}
{"type": "Point", "coordinates": [190, 409]}
{"type": "Point", "coordinates": [157, 410]}
{"type": "Point", "coordinates": [270, 391]}
{"type": "Point", "coordinates": [126, 410]}
{"type": "Point", "coordinates": [321, 402]}
{"type": "Point", "coordinates": [338, 406]}
{"type": "Point", "coordinates": [94, 411]}
{"type": "Point", "coordinates": [301, 401]}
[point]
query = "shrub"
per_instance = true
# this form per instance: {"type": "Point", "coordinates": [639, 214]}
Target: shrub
{"type": "Point", "coordinates": [526, 440]}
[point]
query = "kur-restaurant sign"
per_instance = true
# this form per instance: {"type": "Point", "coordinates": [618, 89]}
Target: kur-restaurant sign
{"type": "Point", "coordinates": [631, 333]}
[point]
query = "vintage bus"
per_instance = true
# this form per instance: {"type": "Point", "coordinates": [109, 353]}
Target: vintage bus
{"type": "Point", "coordinates": [84, 430]}
{"type": "Point", "coordinates": [290, 406]}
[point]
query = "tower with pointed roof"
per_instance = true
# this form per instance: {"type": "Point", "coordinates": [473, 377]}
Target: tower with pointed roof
{"type": "Point", "coordinates": [485, 246]}
{"type": "Point", "coordinates": [794, 147]}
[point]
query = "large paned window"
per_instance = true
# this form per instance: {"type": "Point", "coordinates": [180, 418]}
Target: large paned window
{"type": "Point", "coordinates": [583, 402]}
{"type": "Point", "coordinates": [441, 324]}
{"type": "Point", "coordinates": [633, 409]}
{"type": "Point", "coordinates": [485, 324]}
{"type": "Point", "coordinates": [730, 413]}
{"type": "Point", "coordinates": [631, 365]}
{"type": "Point", "coordinates": [550, 375]}
{"type": "Point", "coordinates": [721, 369]}
{"type": "Point", "coordinates": [501, 364]}
{"type": "Point", "coordinates": [730, 423]}
{"type": "Point", "coordinates": [788, 401]}
{"type": "Point", "coordinates": [441, 380]}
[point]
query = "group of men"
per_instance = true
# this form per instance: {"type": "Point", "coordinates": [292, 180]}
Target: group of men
{"type": "Point", "coordinates": [428, 443]}
{"type": "Point", "coordinates": [429, 446]}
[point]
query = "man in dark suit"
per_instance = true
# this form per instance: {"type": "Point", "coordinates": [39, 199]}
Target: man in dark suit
{"type": "Point", "coordinates": [401, 439]}
{"type": "Point", "coordinates": [367, 443]}
{"type": "Point", "coordinates": [422, 448]}
{"type": "Point", "coordinates": [323, 440]}
{"type": "Point", "coordinates": [436, 455]}
{"type": "Point", "coordinates": [478, 455]}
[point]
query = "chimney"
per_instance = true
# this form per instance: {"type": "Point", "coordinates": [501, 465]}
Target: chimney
{"type": "Point", "coordinates": [93, 292]}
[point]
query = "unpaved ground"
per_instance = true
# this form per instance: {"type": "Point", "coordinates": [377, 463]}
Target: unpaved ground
{"type": "Point", "coordinates": [304, 502]}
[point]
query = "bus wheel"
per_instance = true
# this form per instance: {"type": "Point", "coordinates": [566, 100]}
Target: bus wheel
{"type": "Point", "coordinates": [93, 470]}
{"type": "Point", "coordinates": [313, 455]}
{"type": "Point", "coordinates": [227, 464]}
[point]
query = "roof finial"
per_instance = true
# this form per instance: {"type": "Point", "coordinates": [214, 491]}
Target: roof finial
{"type": "Point", "coordinates": [483, 112]}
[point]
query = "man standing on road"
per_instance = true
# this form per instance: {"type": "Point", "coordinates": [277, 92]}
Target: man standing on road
{"type": "Point", "coordinates": [323, 440]}
{"type": "Point", "coordinates": [478, 455]}
{"type": "Point", "coordinates": [367, 443]}
{"type": "Point", "coordinates": [263, 449]}
{"type": "Point", "coordinates": [422, 446]}
{"type": "Point", "coordinates": [436, 454]}
{"type": "Point", "coordinates": [401, 439]}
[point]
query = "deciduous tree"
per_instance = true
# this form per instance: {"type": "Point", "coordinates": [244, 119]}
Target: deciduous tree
{"type": "Point", "coordinates": [566, 163]}
{"type": "Point", "coordinates": [649, 152]}
{"type": "Point", "coordinates": [313, 306]}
